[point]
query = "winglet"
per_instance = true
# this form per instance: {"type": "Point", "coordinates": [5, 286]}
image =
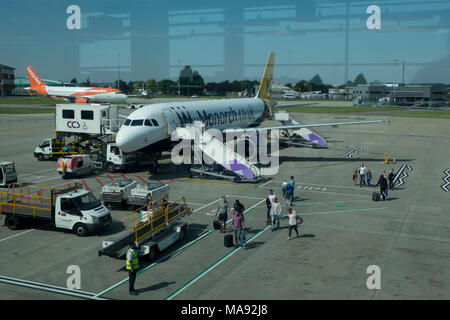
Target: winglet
{"type": "Point", "coordinates": [36, 84]}
{"type": "Point", "coordinates": [265, 88]}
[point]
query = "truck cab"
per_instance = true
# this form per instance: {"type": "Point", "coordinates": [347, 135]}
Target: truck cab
{"type": "Point", "coordinates": [44, 150]}
{"type": "Point", "coordinates": [117, 160]}
{"type": "Point", "coordinates": [81, 212]}
{"type": "Point", "coordinates": [7, 173]}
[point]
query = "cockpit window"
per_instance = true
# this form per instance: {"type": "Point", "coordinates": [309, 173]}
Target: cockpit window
{"type": "Point", "coordinates": [135, 123]}
{"type": "Point", "coordinates": [127, 122]}
{"type": "Point", "coordinates": [147, 122]}
{"type": "Point", "coordinates": [155, 123]}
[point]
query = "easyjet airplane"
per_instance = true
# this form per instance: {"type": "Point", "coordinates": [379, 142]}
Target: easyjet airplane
{"type": "Point", "coordinates": [73, 94]}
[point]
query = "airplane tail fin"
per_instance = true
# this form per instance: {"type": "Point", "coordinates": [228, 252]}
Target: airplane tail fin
{"type": "Point", "coordinates": [265, 88]}
{"type": "Point", "coordinates": [36, 84]}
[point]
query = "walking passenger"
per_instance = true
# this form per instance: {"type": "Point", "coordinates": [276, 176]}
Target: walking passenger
{"type": "Point", "coordinates": [369, 177]}
{"type": "Point", "coordinates": [383, 183]}
{"type": "Point", "coordinates": [391, 178]}
{"type": "Point", "coordinates": [239, 207]}
{"type": "Point", "coordinates": [269, 200]}
{"type": "Point", "coordinates": [275, 213]}
{"type": "Point", "coordinates": [362, 175]}
{"type": "Point", "coordinates": [283, 190]}
{"type": "Point", "coordinates": [292, 182]}
{"type": "Point", "coordinates": [355, 177]}
{"type": "Point", "coordinates": [222, 212]}
{"type": "Point", "coordinates": [289, 194]}
{"type": "Point", "coordinates": [238, 227]}
{"type": "Point", "coordinates": [292, 222]}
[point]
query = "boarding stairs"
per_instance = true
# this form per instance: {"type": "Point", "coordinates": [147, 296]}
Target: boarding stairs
{"type": "Point", "coordinates": [301, 137]}
{"type": "Point", "coordinates": [218, 159]}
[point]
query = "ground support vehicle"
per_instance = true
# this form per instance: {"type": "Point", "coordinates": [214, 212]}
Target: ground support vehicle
{"type": "Point", "coordinates": [72, 208]}
{"type": "Point", "coordinates": [153, 227]}
{"type": "Point", "coordinates": [8, 173]}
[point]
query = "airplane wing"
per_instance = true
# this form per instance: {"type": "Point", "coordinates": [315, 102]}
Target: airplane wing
{"type": "Point", "coordinates": [299, 135]}
{"type": "Point", "coordinates": [277, 106]}
{"type": "Point", "coordinates": [299, 126]}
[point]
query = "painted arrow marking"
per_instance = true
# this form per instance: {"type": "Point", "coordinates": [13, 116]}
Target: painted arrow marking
{"type": "Point", "coordinates": [446, 180]}
{"type": "Point", "coordinates": [402, 174]}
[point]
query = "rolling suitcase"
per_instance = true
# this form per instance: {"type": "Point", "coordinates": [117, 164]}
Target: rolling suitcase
{"type": "Point", "coordinates": [376, 196]}
{"type": "Point", "coordinates": [228, 240]}
{"type": "Point", "coordinates": [216, 225]}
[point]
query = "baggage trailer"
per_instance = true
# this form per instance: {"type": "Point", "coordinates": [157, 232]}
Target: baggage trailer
{"type": "Point", "coordinates": [128, 192]}
{"type": "Point", "coordinates": [72, 208]}
{"type": "Point", "coordinates": [153, 228]}
{"type": "Point", "coordinates": [8, 173]}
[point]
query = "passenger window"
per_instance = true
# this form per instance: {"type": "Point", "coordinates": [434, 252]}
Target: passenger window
{"type": "Point", "coordinates": [155, 123]}
{"type": "Point", "coordinates": [147, 123]}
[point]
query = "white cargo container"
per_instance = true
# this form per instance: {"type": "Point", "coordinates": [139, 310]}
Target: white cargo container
{"type": "Point", "coordinates": [87, 118]}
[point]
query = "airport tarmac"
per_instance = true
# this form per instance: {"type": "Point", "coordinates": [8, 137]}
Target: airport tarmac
{"type": "Point", "coordinates": [344, 231]}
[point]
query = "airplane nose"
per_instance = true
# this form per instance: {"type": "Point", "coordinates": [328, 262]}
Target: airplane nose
{"type": "Point", "coordinates": [124, 141]}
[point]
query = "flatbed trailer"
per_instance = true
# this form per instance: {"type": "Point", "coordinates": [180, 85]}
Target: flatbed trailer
{"type": "Point", "coordinates": [153, 228]}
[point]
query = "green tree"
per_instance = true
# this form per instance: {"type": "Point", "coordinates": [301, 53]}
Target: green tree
{"type": "Point", "coordinates": [316, 81]}
{"type": "Point", "coordinates": [303, 86]}
{"type": "Point", "coordinates": [167, 86]}
{"type": "Point", "coordinates": [151, 85]}
{"type": "Point", "coordinates": [139, 85]}
{"type": "Point", "coordinates": [74, 81]}
{"type": "Point", "coordinates": [360, 79]}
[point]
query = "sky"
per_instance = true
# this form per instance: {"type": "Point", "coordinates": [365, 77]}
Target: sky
{"type": "Point", "coordinates": [228, 40]}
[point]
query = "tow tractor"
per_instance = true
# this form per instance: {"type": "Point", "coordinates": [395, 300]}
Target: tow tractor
{"type": "Point", "coordinates": [7, 173]}
{"type": "Point", "coordinates": [128, 192]}
{"type": "Point", "coordinates": [72, 208]}
{"type": "Point", "coordinates": [153, 227]}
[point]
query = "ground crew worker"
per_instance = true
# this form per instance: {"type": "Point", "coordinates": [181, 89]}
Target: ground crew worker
{"type": "Point", "coordinates": [132, 267]}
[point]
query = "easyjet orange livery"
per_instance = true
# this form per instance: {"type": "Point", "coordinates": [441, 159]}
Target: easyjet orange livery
{"type": "Point", "coordinates": [73, 94]}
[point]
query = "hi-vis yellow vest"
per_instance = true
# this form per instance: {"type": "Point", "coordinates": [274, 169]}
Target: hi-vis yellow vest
{"type": "Point", "coordinates": [134, 262]}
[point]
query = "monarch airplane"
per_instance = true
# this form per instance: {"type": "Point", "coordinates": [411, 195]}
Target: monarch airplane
{"type": "Point", "coordinates": [149, 128]}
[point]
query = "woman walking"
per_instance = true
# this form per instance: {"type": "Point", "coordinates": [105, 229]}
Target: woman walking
{"type": "Point", "coordinates": [292, 222]}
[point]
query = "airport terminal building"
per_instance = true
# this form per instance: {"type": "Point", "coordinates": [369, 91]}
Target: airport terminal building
{"type": "Point", "coordinates": [405, 95]}
{"type": "Point", "coordinates": [6, 80]}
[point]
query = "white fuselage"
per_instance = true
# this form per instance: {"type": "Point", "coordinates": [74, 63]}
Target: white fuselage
{"type": "Point", "coordinates": [91, 93]}
{"type": "Point", "coordinates": [156, 122]}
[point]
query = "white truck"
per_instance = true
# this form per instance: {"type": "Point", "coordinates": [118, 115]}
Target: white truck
{"type": "Point", "coordinates": [71, 208]}
{"type": "Point", "coordinates": [8, 173]}
{"type": "Point", "coordinates": [129, 192]}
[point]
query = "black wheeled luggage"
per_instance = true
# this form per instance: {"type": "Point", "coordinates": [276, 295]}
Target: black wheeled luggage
{"type": "Point", "coordinates": [216, 225]}
{"type": "Point", "coordinates": [376, 196]}
{"type": "Point", "coordinates": [228, 240]}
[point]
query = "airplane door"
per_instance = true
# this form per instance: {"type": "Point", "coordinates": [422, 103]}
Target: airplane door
{"type": "Point", "coordinates": [172, 120]}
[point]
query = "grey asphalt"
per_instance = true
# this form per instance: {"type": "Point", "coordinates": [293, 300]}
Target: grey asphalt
{"type": "Point", "coordinates": [344, 231]}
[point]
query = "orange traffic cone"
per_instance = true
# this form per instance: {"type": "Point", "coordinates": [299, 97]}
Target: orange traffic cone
{"type": "Point", "coordinates": [394, 161]}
